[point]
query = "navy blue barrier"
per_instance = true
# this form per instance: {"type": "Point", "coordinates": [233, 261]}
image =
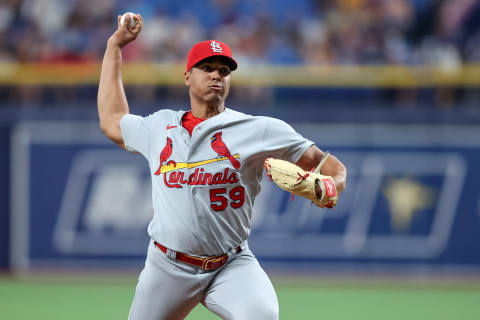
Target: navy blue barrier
{"type": "Point", "coordinates": [4, 196]}
{"type": "Point", "coordinates": [413, 198]}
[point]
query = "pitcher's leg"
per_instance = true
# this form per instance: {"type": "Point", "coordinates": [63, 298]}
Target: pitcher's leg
{"type": "Point", "coordinates": [243, 291]}
{"type": "Point", "coordinates": [164, 290]}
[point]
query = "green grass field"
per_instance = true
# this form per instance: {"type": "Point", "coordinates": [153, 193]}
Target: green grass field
{"type": "Point", "coordinates": [86, 297]}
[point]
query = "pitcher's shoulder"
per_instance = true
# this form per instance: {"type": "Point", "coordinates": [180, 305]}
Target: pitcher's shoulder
{"type": "Point", "coordinates": [167, 116]}
{"type": "Point", "coordinates": [168, 113]}
{"type": "Point", "coordinates": [233, 114]}
{"type": "Point", "coordinates": [258, 121]}
{"type": "Point", "coordinates": [236, 114]}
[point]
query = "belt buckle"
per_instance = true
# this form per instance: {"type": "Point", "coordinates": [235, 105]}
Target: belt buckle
{"type": "Point", "coordinates": [172, 255]}
{"type": "Point", "coordinates": [207, 263]}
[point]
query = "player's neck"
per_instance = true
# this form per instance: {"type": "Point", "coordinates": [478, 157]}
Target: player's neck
{"type": "Point", "coordinates": [205, 110]}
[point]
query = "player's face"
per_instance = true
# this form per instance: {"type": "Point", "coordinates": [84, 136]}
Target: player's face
{"type": "Point", "coordinates": [209, 80]}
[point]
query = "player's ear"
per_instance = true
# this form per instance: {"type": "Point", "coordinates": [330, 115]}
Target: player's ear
{"type": "Point", "coordinates": [187, 78]}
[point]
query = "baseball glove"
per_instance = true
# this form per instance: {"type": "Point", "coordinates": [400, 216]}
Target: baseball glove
{"type": "Point", "coordinates": [294, 179]}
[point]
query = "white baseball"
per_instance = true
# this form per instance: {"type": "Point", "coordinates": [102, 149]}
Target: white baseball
{"type": "Point", "coordinates": [132, 21]}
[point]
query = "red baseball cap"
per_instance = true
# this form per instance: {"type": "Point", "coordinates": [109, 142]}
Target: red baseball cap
{"type": "Point", "coordinates": [207, 49]}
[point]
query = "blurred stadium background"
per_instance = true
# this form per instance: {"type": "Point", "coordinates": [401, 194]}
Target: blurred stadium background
{"type": "Point", "coordinates": [392, 87]}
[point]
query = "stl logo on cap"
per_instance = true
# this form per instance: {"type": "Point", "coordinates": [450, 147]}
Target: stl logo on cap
{"type": "Point", "coordinates": [208, 48]}
{"type": "Point", "coordinates": [216, 47]}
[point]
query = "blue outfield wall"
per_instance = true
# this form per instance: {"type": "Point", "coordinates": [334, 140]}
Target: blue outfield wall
{"type": "Point", "coordinates": [4, 195]}
{"type": "Point", "coordinates": [412, 201]}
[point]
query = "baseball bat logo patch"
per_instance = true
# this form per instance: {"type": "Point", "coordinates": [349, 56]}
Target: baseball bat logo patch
{"type": "Point", "coordinates": [174, 177]}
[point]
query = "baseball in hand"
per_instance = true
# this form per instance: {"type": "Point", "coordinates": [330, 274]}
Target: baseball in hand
{"type": "Point", "coordinates": [133, 22]}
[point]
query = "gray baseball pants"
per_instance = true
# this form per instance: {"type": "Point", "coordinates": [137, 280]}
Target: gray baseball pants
{"type": "Point", "coordinates": [169, 289]}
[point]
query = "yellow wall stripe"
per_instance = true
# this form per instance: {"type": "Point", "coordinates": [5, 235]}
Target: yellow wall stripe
{"type": "Point", "coordinates": [75, 74]}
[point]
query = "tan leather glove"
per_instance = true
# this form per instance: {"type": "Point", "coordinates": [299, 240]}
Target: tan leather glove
{"type": "Point", "coordinates": [292, 178]}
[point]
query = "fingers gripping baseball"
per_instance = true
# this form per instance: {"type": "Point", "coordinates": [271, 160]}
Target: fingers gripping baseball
{"type": "Point", "coordinates": [129, 27]}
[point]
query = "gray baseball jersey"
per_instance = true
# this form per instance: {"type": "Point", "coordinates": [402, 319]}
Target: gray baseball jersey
{"type": "Point", "coordinates": [204, 185]}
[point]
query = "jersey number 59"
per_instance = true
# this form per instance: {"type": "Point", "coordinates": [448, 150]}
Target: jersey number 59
{"type": "Point", "coordinates": [219, 201]}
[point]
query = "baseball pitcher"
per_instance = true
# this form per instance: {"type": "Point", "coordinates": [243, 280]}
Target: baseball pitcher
{"type": "Point", "coordinates": [206, 165]}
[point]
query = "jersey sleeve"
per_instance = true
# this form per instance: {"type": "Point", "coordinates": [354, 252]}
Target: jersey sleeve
{"type": "Point", "coordinates": [136, 133]}
{"type": "Point", "coordinates": [281, 141]}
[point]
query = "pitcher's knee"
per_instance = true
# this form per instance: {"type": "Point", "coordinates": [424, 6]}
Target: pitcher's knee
{"type": "Point", "coordinates": [269, 312]}
{"type": "Point", "coordinates": [257, 311]}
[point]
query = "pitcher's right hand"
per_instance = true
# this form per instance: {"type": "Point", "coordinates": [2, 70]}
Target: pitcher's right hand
{"type": "Point", "coordinates": [124, 33]}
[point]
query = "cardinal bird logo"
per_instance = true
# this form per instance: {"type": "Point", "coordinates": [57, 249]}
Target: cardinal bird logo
{"type": "Point", "coordinates": [219, 147]}
{"type": "Point", "coordinates": [164, 155]}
